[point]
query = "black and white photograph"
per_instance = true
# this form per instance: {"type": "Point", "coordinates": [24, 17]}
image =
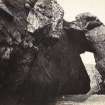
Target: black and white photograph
{"type": "Point", "coordinates": [52, 52]}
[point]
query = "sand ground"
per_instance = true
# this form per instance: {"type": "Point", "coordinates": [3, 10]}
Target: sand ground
{"type": "Point", "coordinates": [82, 100]}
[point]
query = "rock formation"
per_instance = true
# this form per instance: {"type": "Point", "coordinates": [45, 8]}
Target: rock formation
{"type": "Point", "coordinates": [87, 21]}
{"type": "Point", "coordinates": [34, 67]}
{"type": "Point", "coordinates": [95, 33]}
{"type": "Point", "coordinates": [46, 12]}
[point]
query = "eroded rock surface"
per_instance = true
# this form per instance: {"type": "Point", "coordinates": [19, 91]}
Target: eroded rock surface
{"type": "Point", "coordinates": [47, 12]}
{"type": "Point", "coordinates": [35, 68]}
{"type": "Point", "coordinates": [95, 33]}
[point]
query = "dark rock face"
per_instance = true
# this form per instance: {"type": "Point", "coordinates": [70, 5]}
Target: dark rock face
{"type": "Point", "coordinates": [81, 39]}
{"type": "Point", "coordinates": [56, 70]}
{"type": "Point", "coordinates": [31, 76]}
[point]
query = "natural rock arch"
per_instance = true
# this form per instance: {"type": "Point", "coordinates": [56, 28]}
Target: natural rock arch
{"type": "Point", "coordinates": [30, 75]}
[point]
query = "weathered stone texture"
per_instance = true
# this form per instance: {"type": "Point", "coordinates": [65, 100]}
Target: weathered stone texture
{"type": "Point", "coordinates": [97, 37]}
{"type": "Point", "coordinates": [95, 33]}
{"type": "Point", "coordinates": [32, 76]}
{"type": "Point", "coordinates": [46, 12]}
{"type": "Point", "coordinates": [87, 21]}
